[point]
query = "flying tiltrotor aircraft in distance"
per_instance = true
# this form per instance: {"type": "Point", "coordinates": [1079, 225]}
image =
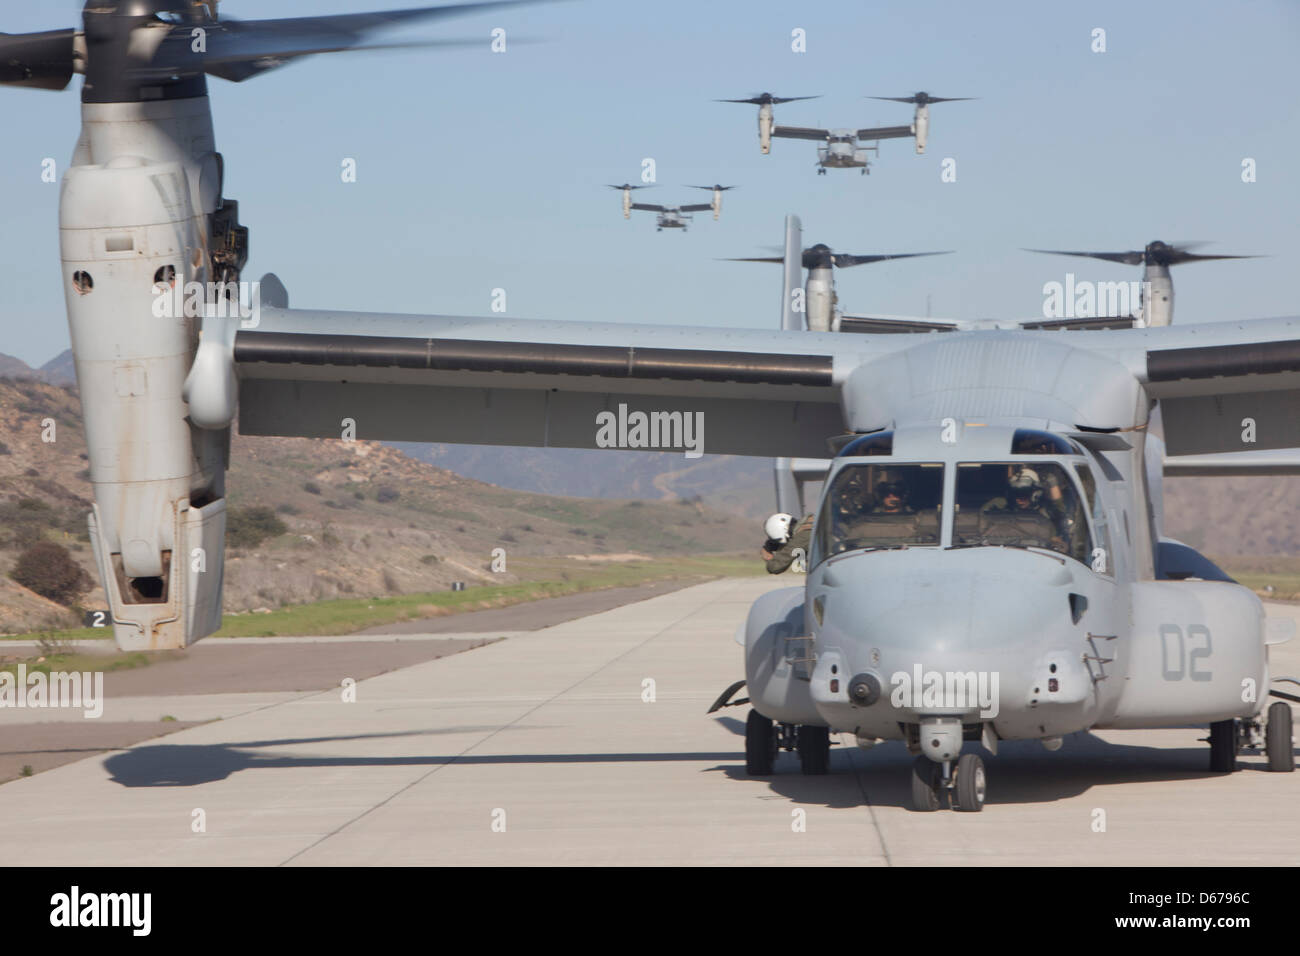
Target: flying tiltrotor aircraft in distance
{"type": "Point", "coordinates": [987, 560]}
{"type": "Point", "coordinates": [672, 217]}
{"type": "Point", "coordinates": [843, 148]}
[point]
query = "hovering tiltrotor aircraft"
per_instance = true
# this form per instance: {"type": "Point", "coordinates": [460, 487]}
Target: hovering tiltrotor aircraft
{"type": "Point", "coordinates": [844, 148]}
{"type": "Point", "coordinates": [672, 217]}
{"type": "Point", "coordinates": [1156, 306]}
{"type": "Point", "coordinates": [1074, 614]}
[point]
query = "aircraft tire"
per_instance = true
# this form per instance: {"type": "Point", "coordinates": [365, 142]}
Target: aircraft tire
{"type": "Point", "coordinates": [1277, 738]}
{"type": "Point", "coordinates": [971, 784]}
{"type": "Point", "coordinates": [1223, 746]}
{"type": "Point", "coordinates": [814, 747]}
{"type": "Point", "coordinates": [760, 745]}
{"type": "Point", "coordinates": [925, 785]}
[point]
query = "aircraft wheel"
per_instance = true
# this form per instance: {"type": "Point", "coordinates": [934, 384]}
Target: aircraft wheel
{"type": "Point", "coordinates": [814, 747]}
{"type": "Point", "coordinates": [971, 784]}
{"type": "Point", "coordinates": [1277, 739]}
{"type": "Point", "coordinates": [925, 784]}
{"type": "Point", "coordinates": [1223, 746]}
{"type": "Point", "coordinates": [760, 745]}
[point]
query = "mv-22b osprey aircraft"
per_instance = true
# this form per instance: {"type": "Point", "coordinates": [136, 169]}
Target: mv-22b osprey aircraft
{"type": "Point", "coordinates": [843, 148]}
{"type": "Point", "coordinates": [1072, 614]}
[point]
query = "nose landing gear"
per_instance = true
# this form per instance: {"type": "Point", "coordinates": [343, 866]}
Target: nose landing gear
{"type": "Point", "coordinates": [965, 785]}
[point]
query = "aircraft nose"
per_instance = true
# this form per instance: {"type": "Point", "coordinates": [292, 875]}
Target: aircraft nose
{"type": "Point", "coordinates": [949, 610]}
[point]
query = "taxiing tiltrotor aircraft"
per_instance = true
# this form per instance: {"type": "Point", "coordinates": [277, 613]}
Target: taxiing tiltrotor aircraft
{"type": "Point", "coordinates": [820, 305]}
{"type": "Point", "coordinates": [1156, 306]}
{"type": "Point", "coordinates": [987, 562]}
{"type": "Point", "coordinates": [843, 148]}
{"type": "Point", "coordinates": [672, 217]}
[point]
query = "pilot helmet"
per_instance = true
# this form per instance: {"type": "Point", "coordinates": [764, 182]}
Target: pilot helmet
{"type": "Point", "coordinates": [891, 484]}
{"type": "Point", "coordinates": [1026, 483]}
{"type": "Point", "coordinates": [777, 527]}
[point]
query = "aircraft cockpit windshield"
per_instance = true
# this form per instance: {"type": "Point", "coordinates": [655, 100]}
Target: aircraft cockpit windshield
{"type": "Point", "coordinates": [1019, 504]}
{"type": "Point", "coordinates": [881, 506]}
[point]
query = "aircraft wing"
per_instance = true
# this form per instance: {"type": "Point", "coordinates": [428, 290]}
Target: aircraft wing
{"type": "Point", "coordinates": [885, 132]}
{"type": "Point", "coordinates": [1222, 386]}
{"type": "Point", "coordinates": [696, 207]}
{"type": "Point", "coordinates": [539, 383]}
{"type": "Point", "coordinates": [800, 132]}
{"type": "Point", "coordinates": [649, 207]}
{"type": "Point", "coordinates": [1227, 464]}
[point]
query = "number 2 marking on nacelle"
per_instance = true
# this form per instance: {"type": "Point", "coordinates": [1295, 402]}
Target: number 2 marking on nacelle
{"type": "Point", "coordinates": [1176, 660]}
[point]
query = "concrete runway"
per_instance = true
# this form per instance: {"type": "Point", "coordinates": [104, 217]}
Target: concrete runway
{"type": "Point", "coordinates": [540, 749]}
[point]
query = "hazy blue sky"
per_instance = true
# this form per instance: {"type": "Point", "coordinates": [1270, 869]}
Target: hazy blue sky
{"type": "Point", "coordinates": [479, 171]}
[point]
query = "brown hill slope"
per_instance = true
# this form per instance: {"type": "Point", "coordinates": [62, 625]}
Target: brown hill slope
{"type": "Point", "coordinates": [361, 518]}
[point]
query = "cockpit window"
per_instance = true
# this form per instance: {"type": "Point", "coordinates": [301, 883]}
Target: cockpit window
{"type": "Point", "coordinates": [879, 506]}
{"type": "Point", "coordinates": [879, 443]}
{"type": "Point", "coordinates": [1029, 441]}
{"type": "Point", "coordinates": [1020, 504]}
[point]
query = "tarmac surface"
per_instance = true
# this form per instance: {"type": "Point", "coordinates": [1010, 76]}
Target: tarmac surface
{"type": "Point", "coordinates": [587, 742]}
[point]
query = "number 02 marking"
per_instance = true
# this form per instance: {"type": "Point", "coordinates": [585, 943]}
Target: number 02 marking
{"type": "Point", "coordinates": [1176, 661]}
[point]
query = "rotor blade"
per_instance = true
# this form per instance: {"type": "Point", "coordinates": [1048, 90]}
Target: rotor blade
{"type": "Point", "coordinates": [1179, 256]}
{"type": "Point", "coordinates": [718, 188]}
{"type": "Point", "coordinates": [921, 99]}
{"type": "Point", "coordinates": [1132, 258]}
{"type": "Point", "coordinates": [247, 44]}
{"type": "Point", "coordinates": [238, 69]}
{"type": "Point", "coordinates": [768, 98]}
{"type": "Point", "coordinates": [777, 259]}
{"type": "Point", "coordinates": [41, 61]}
{"type": "Point", "coordinates": [842, 260]}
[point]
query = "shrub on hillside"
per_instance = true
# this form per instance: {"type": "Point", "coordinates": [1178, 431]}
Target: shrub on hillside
{"type": "Point", "coordinates": [384, 494]}
{"type": "Point", "coordinates": [50, 570]}
{"type": "Point", "coordinates": [249, 527]}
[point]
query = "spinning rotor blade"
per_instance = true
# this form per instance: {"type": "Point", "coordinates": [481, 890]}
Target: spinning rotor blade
{"type": "Point", "coordinates": [842, 260]}
{"type": "Point", "coordinates": [129, 43]}
{"type": "Point", "coordinates": [923, 99]}
{"type": "Point", "coordinates": [718, 188]}
{"type": "Point", "coordinates": [238, 49]}
{"type": "Point", "coordinates": [1156, 253]}
{"type": "Point", "coordinates": [767, 99]}
{"type": "Point", "coordinates": [42, 61]}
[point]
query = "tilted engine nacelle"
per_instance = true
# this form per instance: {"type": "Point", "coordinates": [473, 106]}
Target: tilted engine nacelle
{"type": "Point", "coordinates": [819, 299]}
{"type": "Point", "coordinates": [131, 242]}
{"type": "Point", "coordinates": [921, 127]}
{"type": "Point", "coordinates": [717, 204]}
{"type": "Point", "coordinates": [627, 204]}
{"type": "Point", "coordinates": [765, 124]}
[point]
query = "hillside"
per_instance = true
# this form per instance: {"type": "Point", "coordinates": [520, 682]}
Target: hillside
{"type": "Point", "coordinates": [360, 518]}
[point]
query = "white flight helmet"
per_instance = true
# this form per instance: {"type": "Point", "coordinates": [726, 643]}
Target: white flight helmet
{"type": "Point", "coordinates": [777, 527]}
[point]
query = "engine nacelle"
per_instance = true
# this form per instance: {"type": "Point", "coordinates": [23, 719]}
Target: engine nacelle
{"type": "Point", "coordinates": [921, 127]}
{"type": "Point", "coordinates": [765, 124]}
{"type": "Point", "coordinates": [627, 204]}
{"type": "Point", "coordinates": [717, 204]}
{"type": "Point", "coordinates": [819, 299]}
{"type": "Point", "coordinates": [129, 234]}
{"type": "Point", "coordinates": [777, 678]}
{"type": "Point", "coordinates": [1196, 655]}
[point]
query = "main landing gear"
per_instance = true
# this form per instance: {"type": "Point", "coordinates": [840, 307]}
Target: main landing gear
{"type": "Point", "coordinates": [763, 739]}
{"type": "Point", "coordinates": [965, 784]}
{"type": "Point", "coordinates": [1272, 734]}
